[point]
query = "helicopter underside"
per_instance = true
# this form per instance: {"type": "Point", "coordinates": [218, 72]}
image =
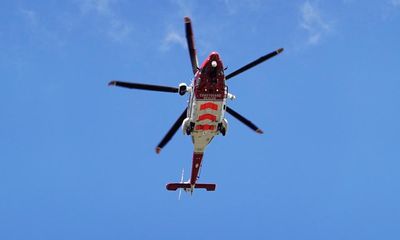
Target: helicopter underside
{"type": "Point", "coordinates": [204, 118]}
{"type": "Point", "coordinates": [207, 116]}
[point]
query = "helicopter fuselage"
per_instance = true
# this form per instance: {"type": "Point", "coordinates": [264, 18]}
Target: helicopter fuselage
{"type": "Point", "coordinates": [206, 109]}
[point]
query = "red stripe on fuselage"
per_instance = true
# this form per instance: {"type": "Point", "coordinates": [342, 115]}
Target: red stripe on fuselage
{"type": "Point", "coordinates": [207, 116]}
{"type": "Point", "coordinates": [205, 127]}
{"type": "Point", "coordinates": [208, 105]}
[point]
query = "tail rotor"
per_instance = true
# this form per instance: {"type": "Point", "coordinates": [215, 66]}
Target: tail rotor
{"type": "Point", "coordinates": [180, 190]}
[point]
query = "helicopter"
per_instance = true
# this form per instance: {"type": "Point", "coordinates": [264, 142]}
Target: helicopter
{"type": "Point", "coordinates": [204, 117]}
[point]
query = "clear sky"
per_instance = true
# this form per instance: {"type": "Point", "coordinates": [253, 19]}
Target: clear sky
{"type": "Point", "coordinates": [77, 157]}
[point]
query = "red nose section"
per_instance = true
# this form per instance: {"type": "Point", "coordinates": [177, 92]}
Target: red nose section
{"type": "Point", "coordinates": [211, 80]}
{"type": "Point", "coordinates": [214, 56]}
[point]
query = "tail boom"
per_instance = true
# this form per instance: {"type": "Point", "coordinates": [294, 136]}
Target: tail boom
{"type": "Point", "coordinates": [196, 165]}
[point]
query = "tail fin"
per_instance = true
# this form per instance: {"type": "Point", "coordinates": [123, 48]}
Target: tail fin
{"type": "Point", "coordinates": [189, 187]}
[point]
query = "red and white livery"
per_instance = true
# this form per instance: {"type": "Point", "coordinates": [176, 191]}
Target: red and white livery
{"type": "Point", "coordinates": [204, 118]}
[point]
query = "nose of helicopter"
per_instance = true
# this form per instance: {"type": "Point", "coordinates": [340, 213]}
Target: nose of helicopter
{"type": "Point", "coordinates": [214, 56]}
{"type": "Point", "coordinates": [214, 59]}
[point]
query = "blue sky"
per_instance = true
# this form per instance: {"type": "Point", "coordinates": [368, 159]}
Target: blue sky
{"type": "Point", "coordinates": [77, 157]}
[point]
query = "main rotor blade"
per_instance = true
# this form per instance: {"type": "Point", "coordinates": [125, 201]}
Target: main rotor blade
{"type": "Point", "coordinates": [190, 43]}
{"type": "Point", "coordinates": [171, 131]}
{"type": "Point", "coordinates": [254, 63]}
{"type": "Point", "coordinates": [144, 86]}
{"type": "Point", "coordinates": [243, 120]}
